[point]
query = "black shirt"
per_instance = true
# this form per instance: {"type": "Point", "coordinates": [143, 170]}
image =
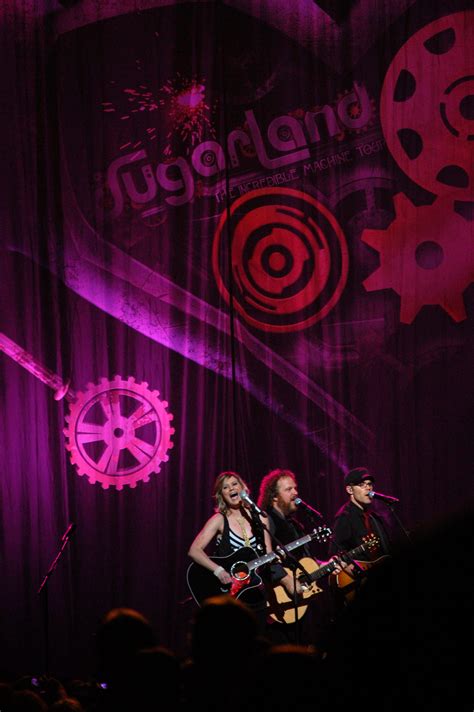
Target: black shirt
{"type": "Point", "coordinates": [284, 530]}
{"type": "Point", "coordinates": [352, 524]}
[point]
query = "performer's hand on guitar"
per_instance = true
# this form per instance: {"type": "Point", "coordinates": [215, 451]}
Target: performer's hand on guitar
{"type": "Point", "coordinates": [288, 584]}
{"type": "Point", "coordinates": [223, 575]}
{"type": "Point", "coordinates": [300, 587]}
{"type": "Point", "coordinates": [340, 564]}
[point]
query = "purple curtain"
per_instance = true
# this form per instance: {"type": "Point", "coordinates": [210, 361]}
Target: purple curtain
{"type": "Point", "coordinates": [235, 235]}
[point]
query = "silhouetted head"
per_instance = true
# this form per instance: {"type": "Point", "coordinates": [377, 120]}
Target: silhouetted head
{"type": "Point", "coordinates": [26, 701]}
{"type": "Point", "coordinates": [223, 624]}
{"type": "Point", "coordinates": [153, 676]}
{"type": "Point", "coordinates": [122, 632]}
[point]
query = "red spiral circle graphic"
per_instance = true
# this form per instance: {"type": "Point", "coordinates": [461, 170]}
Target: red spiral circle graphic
{"type": "Point", "coordinates": [288, 259]}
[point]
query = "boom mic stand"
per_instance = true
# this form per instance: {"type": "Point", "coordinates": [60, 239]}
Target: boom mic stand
{"type": "Point", "coordinates": [43, 590]}
{"type": "Point", "coordinates": [294, 565]}
{"type": "Point", "coordinates": [389, 502]}
{"type": "Point", "coordinates": [399, 521]}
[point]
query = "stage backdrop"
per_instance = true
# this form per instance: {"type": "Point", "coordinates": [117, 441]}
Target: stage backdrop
{"type": "Point", "coordinates": [235, 235]}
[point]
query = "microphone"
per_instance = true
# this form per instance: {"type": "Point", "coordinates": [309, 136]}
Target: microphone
{"type": "Point", "coordinates": [308, 507]}
{"type": "Point", "coordinates": [245, 498]}
{"type": "Point", "coordinates": [383, 497]}
{"type": "Point", "coordinates": [71, 528]}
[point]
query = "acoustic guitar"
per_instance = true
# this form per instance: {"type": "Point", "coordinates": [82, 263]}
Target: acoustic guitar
{"type": "Point", "coordinates": [242, 566]}
{"type": "Point", "coordinates": [349, 583]}
{"type": "Point", "coordinates": [282, 607]}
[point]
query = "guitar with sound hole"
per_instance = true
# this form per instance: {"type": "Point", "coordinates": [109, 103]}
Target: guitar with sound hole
{"type": "Point", "coordinates": [348, 582]}
{"type": "Point", "coordinates": [242, 566]}
{"type": "Point", "coordinates": [282, 607]}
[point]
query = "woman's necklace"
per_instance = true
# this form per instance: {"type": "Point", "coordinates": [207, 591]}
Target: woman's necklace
{"type": "Point", "coordinates": [241, 523]}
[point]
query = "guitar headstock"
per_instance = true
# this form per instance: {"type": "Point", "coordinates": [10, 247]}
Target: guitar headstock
{"type": "Point", "coordinates": [371, 542]}
{"type": "Point", "coordinates": [321, 534]}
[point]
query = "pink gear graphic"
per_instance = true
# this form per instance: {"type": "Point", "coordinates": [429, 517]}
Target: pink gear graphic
{"type": "Point", "coordinates": [399, 246]}
{"type": "Point", "coordinates": [118, 432]}
{"type": "Point", "coordinates": [427, 123]}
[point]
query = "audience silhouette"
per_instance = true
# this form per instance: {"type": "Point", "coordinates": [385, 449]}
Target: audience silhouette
{"type": "Point", "coordinates": [225, 650]}
{"type": "Point", "coordinates": [399, 645]}
{"type": "Point", "coordinates": [137, 674]}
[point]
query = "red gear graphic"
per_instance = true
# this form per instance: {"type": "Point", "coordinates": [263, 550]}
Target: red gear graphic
{"type": "Point", "coordinates": [432, 115]}
{"type": "Point", "coordinates": [399, 269]}
{"type": "Point", "coordinates": [127, 407]}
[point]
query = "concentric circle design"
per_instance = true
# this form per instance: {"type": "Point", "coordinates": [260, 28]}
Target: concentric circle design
{"type": "Point", "coordinates": [288, 259]}
{"type": "Point", "coordinates": [425, 107]}
{"type": "Point", "coordinates": [208, 159]}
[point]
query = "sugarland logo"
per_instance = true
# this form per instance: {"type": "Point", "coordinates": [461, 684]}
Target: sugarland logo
{"type": "Point", "coordinates": [290, 141]}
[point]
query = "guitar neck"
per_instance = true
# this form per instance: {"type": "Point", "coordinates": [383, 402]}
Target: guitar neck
{"type": "Point", "coordinates": [331, 565]}
{"type": "Point", "coordinates": [299, 542]}
{"type": "Point", "coordinates": [358, 550]}
{"type": "Point", "coordinates": [268, 558]}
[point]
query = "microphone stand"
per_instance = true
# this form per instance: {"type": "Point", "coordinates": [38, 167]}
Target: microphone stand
{"type": "Point", "coordinates": [294, 565]}
{"type": "Point", "coordinates": [390, 505]}
{"type": "Point", "coordinates": [43, 591]}
{"type": "Point", "coordinates": [398, 520]}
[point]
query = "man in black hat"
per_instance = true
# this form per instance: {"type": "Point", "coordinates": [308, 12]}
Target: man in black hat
{"type": "Point", "coordinates": [357, 523]}
{"type": "Point", "coordinates": [361, 533]}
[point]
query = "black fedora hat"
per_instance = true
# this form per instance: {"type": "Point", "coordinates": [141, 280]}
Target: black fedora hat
{"type": "Point", "coordinates": [358, 475]}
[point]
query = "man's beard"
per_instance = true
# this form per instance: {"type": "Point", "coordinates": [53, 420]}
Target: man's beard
{"type": "Point", "coordinates": [288, 508]}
